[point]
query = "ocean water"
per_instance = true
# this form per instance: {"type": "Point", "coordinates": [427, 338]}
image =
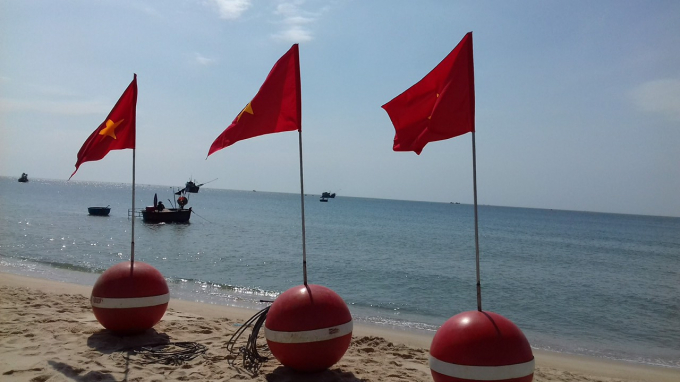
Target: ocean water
{"type": "Point", "coordinates": [602, 285]}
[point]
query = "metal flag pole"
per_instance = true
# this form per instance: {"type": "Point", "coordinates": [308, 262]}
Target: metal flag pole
{"type": "Point", "coordinates": [302, 207]}
{"type": "Point", "coordinates": [132, 242]}
{"type": "Point", "coordinates": [474, 182]}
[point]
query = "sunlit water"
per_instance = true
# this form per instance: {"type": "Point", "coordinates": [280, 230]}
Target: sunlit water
{"type": "Point", "coordinates": [603, 285]}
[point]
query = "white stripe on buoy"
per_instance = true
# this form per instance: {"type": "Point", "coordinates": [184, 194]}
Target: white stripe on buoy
{"type": "Point", "coordinates": [482, 373]}
{"type": "Point", "coordinates": [125, 303]}
{"type": "Point", "coordinates": [308, 335]}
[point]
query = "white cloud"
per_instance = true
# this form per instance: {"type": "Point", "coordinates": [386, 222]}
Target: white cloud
{"type": "Point", "coordinates": [298, 20]}
{"type": "Point", "coordinates": [295, 34]}
{"type": "Point", "coordinates": [659, 96]}
{"type": "Point", "coordinates": [295, 22]}
{"type": "Point", "coordinates": [231, 9]}
{"type": "Point", "coordinates": [202, 60]}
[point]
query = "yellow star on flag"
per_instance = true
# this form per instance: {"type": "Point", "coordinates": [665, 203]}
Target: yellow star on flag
{"type": "Point", "coordinates": [430, 116]}
{"type": "Point", "coordinates": [248, 109]}
{"type": "Point", "coordinates": [110, 128]}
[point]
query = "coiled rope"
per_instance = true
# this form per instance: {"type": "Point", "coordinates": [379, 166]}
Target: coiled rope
{"type": "Point", "coordinates": [251, 358]}
{"type": "Point", "coordinates": [173, 353]}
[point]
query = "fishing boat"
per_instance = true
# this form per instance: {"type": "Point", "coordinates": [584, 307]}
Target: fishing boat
{"type": "Point", "coordinates": [192, 187]}
{"type": "Point", "coordinates": [99, 211]}
{"type": "Point", "coordinates": [166, 215]}
{"type": "Point", "coordinates": [327, 195]}
{"type": "Point", "coordinates": [159, 214]}
{"type": "Point", "coordinates": [24, 178]}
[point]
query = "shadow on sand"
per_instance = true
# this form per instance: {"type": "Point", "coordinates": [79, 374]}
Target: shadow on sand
{"type": "Point", "coordinates": [72, 373]}
{"type": "Point", "coordinates": [286, 374]}
{"type": "Point", "coordinates": [107, 342]}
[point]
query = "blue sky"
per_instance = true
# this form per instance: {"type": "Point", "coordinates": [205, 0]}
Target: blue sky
{"type": "Point", "coordinates": [578, 102]}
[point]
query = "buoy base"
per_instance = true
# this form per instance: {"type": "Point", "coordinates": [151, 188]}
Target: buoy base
{"type": "Point", "coordinates": [130, 299]}
{"type": "Point", "coordinates": [480, 346]}
{"type": "Point", "coordinates": [312, 356]}
{"type": "Point", "coordinates": [308, 328]}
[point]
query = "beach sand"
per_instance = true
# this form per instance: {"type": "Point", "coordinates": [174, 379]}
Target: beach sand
{"type": "Point", "coordinates": [49, 333]}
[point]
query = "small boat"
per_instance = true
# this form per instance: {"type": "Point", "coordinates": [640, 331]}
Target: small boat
{"type": "Point", "coordinates": [323, 199]}
{"type": "Point", "coordinates": [166, 215]}
{"type": "Point", "coordinates": [327, 195]}
{"type": "Point", "coordinates": [24, 178]}
{"type": "Point", "coordinates": [159, 214]}
{"type": "Point", "coordinates": [99, 211]}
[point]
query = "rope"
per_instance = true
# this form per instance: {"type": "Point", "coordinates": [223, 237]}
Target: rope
{"type": "Point", "coordinates": [173, 353]}
{"type": "Point", "coordinates": [251, 358]}
{"type": "Point", "coordinates": [194, 212]}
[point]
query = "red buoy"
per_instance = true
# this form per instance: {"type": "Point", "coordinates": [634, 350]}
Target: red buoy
{"type": "Point", "coordinates": [308, 328]}
{"type": "Point", "coordinates": [129, 300]}
{"type": "Point", "coordinates": [480, 346]}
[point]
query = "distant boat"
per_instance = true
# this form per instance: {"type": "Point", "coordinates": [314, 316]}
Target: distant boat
{"type": "Point", "coordinates": [328, 195]}
{"type": "Point", "coordinates": [99, 211]}
{"type": "Point", "coordinates": [24, 178]}
{"type": "Point", "coordinates": [323, 199]}
{"type": "Point", "coordinates": [192, 187]}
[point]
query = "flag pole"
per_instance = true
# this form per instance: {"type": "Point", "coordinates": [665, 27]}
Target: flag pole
{"type": "Point", "coordinates": [132, 242]}
{"type": "Point", "coordinates": [474, 186]}
{"type": "Point", "coordinates": [302, 207]}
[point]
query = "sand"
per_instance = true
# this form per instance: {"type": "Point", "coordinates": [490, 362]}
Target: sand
{"type": "Point", "coordinates": [49, 333]}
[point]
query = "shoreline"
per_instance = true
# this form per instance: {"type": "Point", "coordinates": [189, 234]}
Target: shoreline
{"type": "Point", "coordinates": [370, 344]}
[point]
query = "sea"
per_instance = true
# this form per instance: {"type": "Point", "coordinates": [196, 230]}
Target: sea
{"type": "Point", "coordinates": [595, 284]}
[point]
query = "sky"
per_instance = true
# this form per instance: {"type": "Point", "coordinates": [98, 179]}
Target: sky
{"type": "Point", "coordinates": [577, 102]}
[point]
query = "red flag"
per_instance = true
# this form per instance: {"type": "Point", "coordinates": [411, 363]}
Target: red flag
{"type": "Point", "coordinates": [117, 132]}
{"type": "Point", "coordinates": [275, 108]}
{"type": "Point", "coordinates": [440, 106]}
